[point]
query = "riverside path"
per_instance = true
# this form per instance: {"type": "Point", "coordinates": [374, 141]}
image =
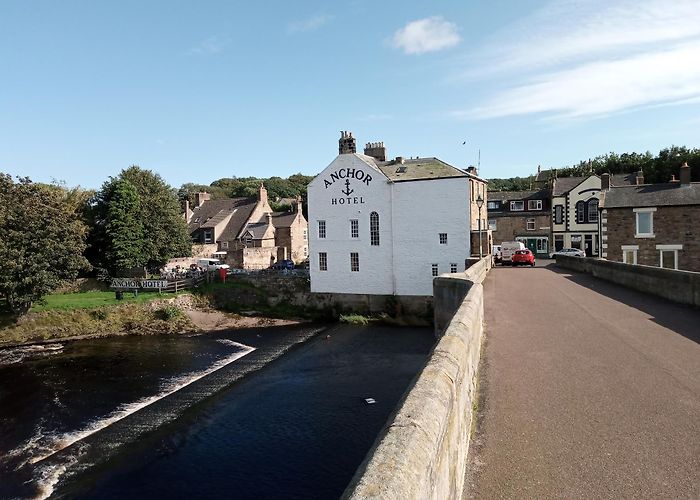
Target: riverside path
{"type": "Point", "coordinates": [587, 390]}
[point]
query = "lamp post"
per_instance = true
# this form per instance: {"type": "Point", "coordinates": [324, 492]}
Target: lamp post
{"type": "Point", "coordinates": [480, 204]}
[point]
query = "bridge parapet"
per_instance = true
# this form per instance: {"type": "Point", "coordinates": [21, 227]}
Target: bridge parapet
{"type": "Point", "coordinates": [421, 453]}
{"type": "Point", "coordinates": [678, 286]}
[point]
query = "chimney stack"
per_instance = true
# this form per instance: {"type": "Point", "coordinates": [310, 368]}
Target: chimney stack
{"type": "Point", "coordinates": [346, 143]}
{"type": "Point", "coordinates": [471, 169]}
{"type": "Point", "coordinates": [640, 178]}
{"type": "Point", "coordinates": [685, 175]}
{"type": "Point", "coordinates": [200, 198]}
{"type": "Point", "coordinates": [298, 204]}
{"type": "Point", "coordinates": [399, 160]}
{"type": "Point", "coordinates": [605, 182]}
{"type": "Point", "coordinates": [376, 150]}
{"type": "Point", "coordinates": [262, 194]}
{"type": "Point", "coordinates": [188, 212]}
{"type": "Point", "coordinates": [268, 216]}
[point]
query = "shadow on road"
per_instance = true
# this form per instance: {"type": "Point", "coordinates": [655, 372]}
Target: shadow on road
{"type": "Point", "coordinates": [681, 319]}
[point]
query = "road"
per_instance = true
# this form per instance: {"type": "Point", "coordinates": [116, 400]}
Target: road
{"type": "Point", "coordinates": [587, 390]}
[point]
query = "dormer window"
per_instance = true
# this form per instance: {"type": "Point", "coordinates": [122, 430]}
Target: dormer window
{"type": "Point", "coordinates": [517, 206]}
{"type": "Point", "coordinates": [534, 204]}
{"type": "Point", "coordinates": [196, 221]}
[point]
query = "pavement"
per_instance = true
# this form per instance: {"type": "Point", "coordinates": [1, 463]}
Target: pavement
{"type": "Point", "coordinates": [587, 390]}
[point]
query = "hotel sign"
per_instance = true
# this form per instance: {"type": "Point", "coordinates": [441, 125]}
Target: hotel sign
{"type": "Point", "coordinates": [140, 284]}
{"type": "Point", "coordinates": [343, 176]}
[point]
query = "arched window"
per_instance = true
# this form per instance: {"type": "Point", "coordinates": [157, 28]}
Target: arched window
{"type": "Point", "coordinates": [592, 210]}
{"type": "Point", "coordinates": [374, 229]}
{"type": "Point", "coordinates": [580, 212]}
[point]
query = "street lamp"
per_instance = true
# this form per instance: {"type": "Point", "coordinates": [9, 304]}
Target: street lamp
{"type": "Point", "coordinates": [480, 204]}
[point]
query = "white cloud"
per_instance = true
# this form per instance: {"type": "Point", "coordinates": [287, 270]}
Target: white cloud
{"type": "Point", "coordinates": [426, 35]}
{"type": "Point", "coordinates": [604, 87]}
{"type": "Point", "coordinates": [212, 45]}
{"type": "Point", "coordinates": [576, 59]}
{"type": "Point", "coordinates": [309, 24]}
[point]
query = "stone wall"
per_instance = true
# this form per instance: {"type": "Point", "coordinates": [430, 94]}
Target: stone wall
{"type": "Point", "coordinates": [678, 286]}
{"type": "Point", "coordinates": [421, 453]}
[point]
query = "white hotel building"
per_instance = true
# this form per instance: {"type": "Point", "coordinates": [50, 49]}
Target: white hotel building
{"type": "Point", "coordinates": [386, 227]}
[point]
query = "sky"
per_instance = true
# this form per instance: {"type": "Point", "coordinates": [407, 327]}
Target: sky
{"type": "Point", "coordinates": [197, 91]}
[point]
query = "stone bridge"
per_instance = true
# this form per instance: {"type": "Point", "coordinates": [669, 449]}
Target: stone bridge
{"type": "Point", "coordinates": [587, 389]}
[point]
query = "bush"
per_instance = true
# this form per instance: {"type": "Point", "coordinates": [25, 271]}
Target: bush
{"type": "Point", "coordinates": [169, 313]}
{"type": "Point", "coordinates": [100, 314]}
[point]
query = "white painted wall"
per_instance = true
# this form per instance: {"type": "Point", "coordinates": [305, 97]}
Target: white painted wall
{"type": "Point", "coordinates": [422, 210]}
{"type": "Point", "coordinates": [375, 275]}
{"type": "Point", "coordinates": [411, 214]}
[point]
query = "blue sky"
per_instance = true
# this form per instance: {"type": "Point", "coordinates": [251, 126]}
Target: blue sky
{"type": "Point", "coordinates": [197, 91]}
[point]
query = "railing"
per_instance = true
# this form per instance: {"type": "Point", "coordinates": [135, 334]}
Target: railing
{"type": "Point", "coordinates": [184, 284]}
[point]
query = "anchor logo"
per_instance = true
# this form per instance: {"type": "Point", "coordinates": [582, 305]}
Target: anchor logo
{"type": "Point", "coordinates": [347, 191]}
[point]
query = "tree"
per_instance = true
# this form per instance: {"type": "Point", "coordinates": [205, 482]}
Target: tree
{"type": "Point", "coordinates": [123, 228]}
{"type": "Point", "coordinates": [164, 231]}
{"type": "Point", "coordinates": [42, 239]}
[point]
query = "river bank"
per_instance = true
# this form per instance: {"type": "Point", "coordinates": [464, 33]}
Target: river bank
{"type": "Point", "coordinates": [182, 314]}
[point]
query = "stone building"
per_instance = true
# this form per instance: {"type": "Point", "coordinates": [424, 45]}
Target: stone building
{"type": "Point", "coordinates": [521, 216]}
{"type": "Point", "coordinates": [652, 224]}
{"type": "Point", "coordinates": [478, 190]}
{"type": "Point", "coordinates": [245, 232]}
{"type": "Point", "coordinates": [386, 227]}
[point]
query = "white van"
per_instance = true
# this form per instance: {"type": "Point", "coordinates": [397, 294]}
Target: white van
{"type": "Point", "coordinates": [211, 264]}
{"type": "Point", "coordinates": [508, 248]}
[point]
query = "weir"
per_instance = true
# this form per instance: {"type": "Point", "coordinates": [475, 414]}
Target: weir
{"type": "Point", "coordinates": [53, 457]}
{"type": "Point", "coordinates": [422, 451]}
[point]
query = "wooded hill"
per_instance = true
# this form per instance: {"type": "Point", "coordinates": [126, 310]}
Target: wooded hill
{"type": "Point", "coordinates": [659, 168]}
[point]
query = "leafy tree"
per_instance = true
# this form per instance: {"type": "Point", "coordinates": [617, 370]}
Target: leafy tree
{"type": "Point", "coordinates": [42, 239]}
{"type": "Point", "coordinates": [164, 233]}
{"type": "Point", "coordinates": [124, 228]}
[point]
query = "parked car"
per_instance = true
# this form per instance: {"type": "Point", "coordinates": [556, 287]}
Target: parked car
{"type": "Point", "coordinates": [283, 264]}
{"type": "Point", "coordinates": [508, 249]}
{"type": "Point", "coordinates": [571, 252]}
{"type": "Point", "coordinates": [523, 257]}
{"type": "Point", "coordinates": [211, 264]}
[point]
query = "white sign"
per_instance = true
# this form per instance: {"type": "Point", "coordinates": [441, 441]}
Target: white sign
{"type": "Point", "coordinates": [142, 284]}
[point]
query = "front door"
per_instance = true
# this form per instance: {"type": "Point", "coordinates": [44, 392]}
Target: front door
{"type": "Point", "coordinates": [588, 244]}
{"type": "Point", "coordinates": [531, 244]}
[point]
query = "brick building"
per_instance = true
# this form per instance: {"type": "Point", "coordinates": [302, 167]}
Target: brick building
{"type": "Point", "coordinates": [652, 224]}
{"type": "Point", "coordinates": [521, 216]}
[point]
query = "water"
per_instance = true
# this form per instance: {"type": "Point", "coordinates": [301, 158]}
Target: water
{"type": "Point", "coordinates": [165, 417]}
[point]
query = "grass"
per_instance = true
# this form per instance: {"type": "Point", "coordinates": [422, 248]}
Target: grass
{"type": "Point", "coordinates": [91, 300]}
{"type": "Point", "coordinates": [355, 319]}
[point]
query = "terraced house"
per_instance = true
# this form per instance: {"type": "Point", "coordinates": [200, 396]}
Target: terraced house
{"type": "Point", "coordinates": [652, 224]}
{"type": "Point", "coordinates": [521, 216]}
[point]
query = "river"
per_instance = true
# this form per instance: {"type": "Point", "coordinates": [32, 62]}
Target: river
{"type": "Point", "coordinates": [255, 413]}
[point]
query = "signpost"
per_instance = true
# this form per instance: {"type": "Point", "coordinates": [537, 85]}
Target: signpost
{"type": "Point", "coordinates": [138, 284]}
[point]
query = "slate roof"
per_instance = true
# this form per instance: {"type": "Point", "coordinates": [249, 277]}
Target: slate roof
{"type": "Point", "coordinates": [414, 169]}
{"type": "Point", "coordinates": [257, 230]}
{"type": "Point", "coordinates": [563, 185]}
{"type": "Point", "coordinates": [539, 194]}
{"type": "Point", "coordinates": [283, 219]}
{"type": "Point", "coordinates": [212, 212]}
{"type": "Point", "coordinates": [623, 179]}
{"type": "Point", "coordinates": [652, 195]}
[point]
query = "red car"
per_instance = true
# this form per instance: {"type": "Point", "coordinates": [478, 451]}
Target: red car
{"type": "Point", "coordinates": [523, 257]}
